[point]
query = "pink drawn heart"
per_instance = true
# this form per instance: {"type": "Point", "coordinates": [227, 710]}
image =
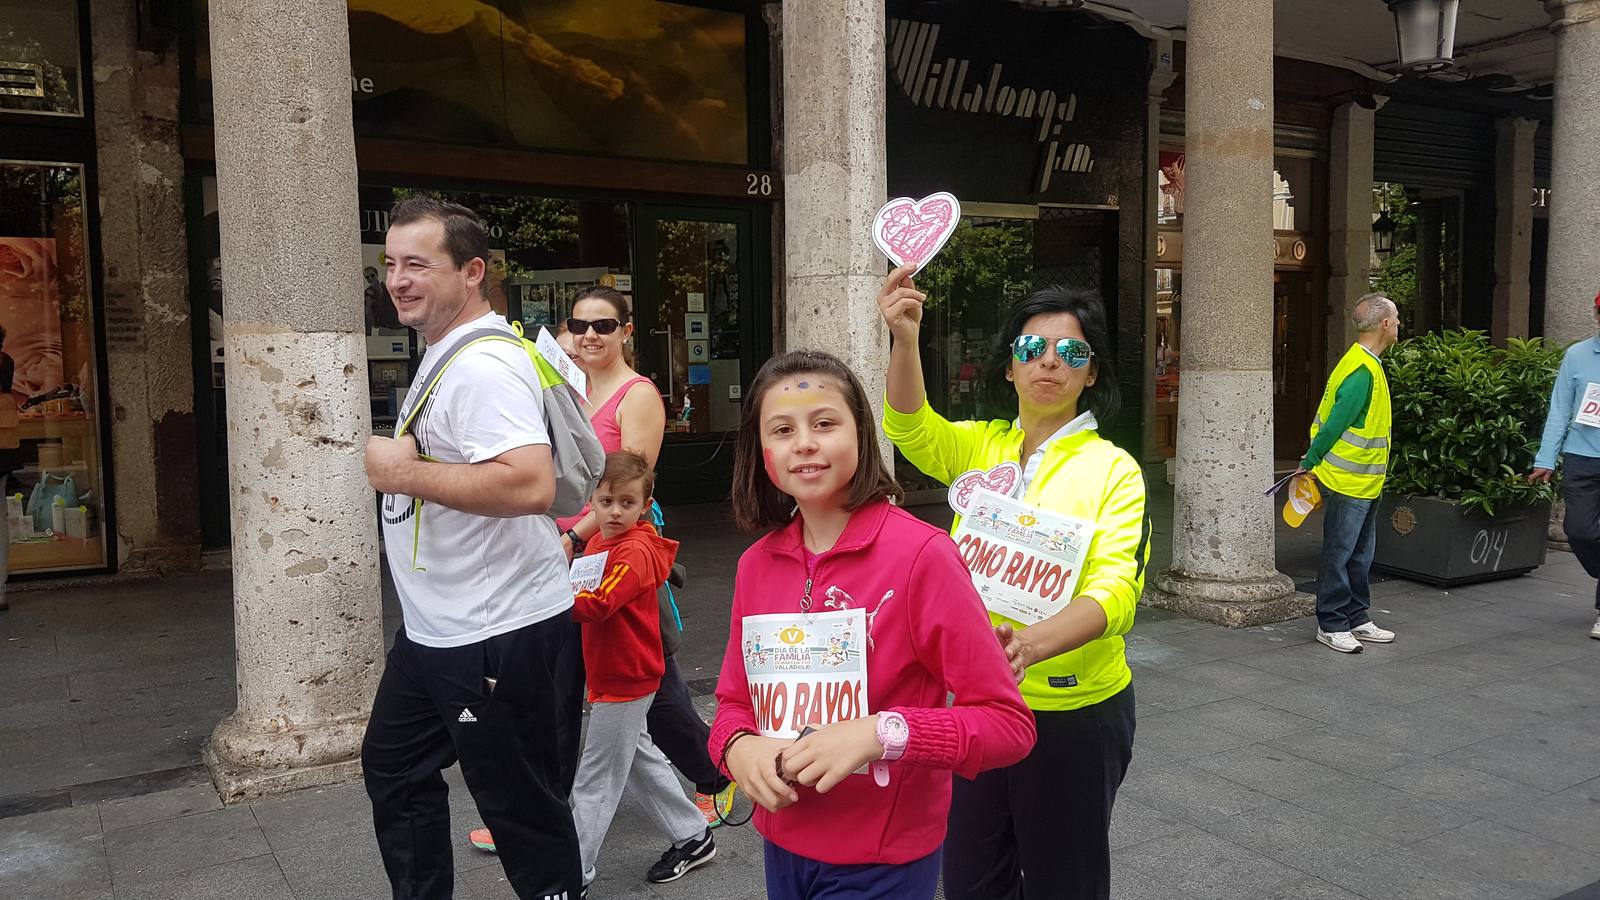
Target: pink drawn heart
{"type": "Point", "coordinates": [1002, 479]}
{"type": "Point", "coordinates": [910, 232]}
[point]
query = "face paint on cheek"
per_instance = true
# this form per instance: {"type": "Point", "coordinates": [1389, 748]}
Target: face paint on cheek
{"type": "Point", "coordinates": [772, 470]}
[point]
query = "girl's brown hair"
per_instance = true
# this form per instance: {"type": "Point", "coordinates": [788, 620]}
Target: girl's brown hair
{"type": "Point", "coordinates": [758, 504]}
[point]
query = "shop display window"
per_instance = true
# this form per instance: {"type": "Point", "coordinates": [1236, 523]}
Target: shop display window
{"type": "Point", "coordinates": [50, 437]}
{"type": "Point", "coordinates": [656, 80]}
{"type": "Point", "coordinates": [40, 70]}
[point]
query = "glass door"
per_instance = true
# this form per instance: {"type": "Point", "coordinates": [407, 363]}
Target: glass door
{"type": "Point", "coordinates": [697, 305]}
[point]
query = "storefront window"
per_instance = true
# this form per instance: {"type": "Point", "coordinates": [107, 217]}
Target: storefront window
{"type": "Point", "coordinates": [39, 59]}
{"type": "Point", "coordinates": [49, 429]}
{"type": "Point", "coordinates": [654, 80]}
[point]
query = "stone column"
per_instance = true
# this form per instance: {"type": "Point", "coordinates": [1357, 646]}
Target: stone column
{"type": "Point", "coordinates": [1223, 567]}
{"type": "Point", "coordinates": [1571, 281]}
{"type": "Point", "coordinates": [307, 616]}
{"type": "Point", "coordinates": [1349, 222]}
{"type": "Point", "coordinates": [834, 179]}
{"type": "Point", "coordinates": [1513, 227]}
{"type": "Point", "coordinates": [149, 362]}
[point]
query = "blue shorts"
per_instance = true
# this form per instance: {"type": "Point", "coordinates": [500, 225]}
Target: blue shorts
{"type": "Point", "coordinates": [791, 877]}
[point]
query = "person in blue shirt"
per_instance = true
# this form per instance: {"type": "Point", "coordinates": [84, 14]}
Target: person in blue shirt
{"type": "Point", "coordinates": [1572, 431]}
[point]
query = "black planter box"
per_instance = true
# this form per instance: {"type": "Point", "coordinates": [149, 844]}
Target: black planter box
{"type": "Point", "coordinates": [1445, 544]}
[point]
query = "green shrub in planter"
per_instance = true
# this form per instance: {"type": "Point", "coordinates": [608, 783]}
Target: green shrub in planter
{"type": "Point", "coordinates": [1468, 417]}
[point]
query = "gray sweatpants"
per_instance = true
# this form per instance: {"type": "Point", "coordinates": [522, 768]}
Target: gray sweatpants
{"type": "Point", "coordinates": [617, 754]}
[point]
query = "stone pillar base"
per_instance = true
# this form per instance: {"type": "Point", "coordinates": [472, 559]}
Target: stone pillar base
{"type": "Point", "coordinates": [246, 765]}
{"type": "Point", "coordinates": [1234, 604]}
{"type": "Point", "coordinates": [240, 785]}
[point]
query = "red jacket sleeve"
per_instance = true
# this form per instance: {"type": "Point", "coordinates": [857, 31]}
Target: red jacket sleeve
{"type": "Point", "coordinates": [621, 584]}
{"type": "Point", "coordinates": [734, 712]}
{"type": "Point", "coordinates": [989, 726]}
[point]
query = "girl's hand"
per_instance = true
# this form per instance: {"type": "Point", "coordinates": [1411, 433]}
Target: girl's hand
{"type": "Point", "coordinates": [828, 755]}
{"type": "Point", "coordinates": [901, 304]}
{"type": "Point", "coordinates": [753, 762]}
{"type": "Point", "coordinates": [1019, 651]}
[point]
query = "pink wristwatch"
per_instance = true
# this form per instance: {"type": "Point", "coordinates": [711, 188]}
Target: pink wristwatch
{"type": "Point", "coordinates": [893, 734]}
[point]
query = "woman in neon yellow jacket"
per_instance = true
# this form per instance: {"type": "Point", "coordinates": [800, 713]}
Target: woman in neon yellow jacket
{"type": "Point", "coordinates": [1049, 815]}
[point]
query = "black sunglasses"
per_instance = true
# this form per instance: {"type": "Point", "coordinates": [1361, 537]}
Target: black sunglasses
{"type": "Point", "coordinates": [600, 326]}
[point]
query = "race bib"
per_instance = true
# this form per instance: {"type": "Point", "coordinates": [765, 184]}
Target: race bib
{"type": "Point", "coordinates": [587, 571]}
{"type": "Point", "coordinates": [805, 669]}
{"type": "Point", "coordinates": [1589, 409]}
{"type": "Point", "coordinates": [1025, 562]}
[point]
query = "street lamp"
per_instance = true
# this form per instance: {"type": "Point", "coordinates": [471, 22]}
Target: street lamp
{"type": "Point", "coordinates": [1383, 233]}
{"type": "Point", "coordinates": [1426, 33]}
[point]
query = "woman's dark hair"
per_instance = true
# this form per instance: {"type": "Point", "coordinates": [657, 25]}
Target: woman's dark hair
{"type": "Point", "coordinates": [1103, 397]}
{"type": "Point", "coordinates": [609, 295]}
{"type": "Point", "coordinates": [758, 504]}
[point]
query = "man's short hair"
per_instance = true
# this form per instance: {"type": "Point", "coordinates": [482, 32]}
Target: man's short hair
{"type": "Point", "coordinates": [625, 467]}
{"type": "Point", "coordinates": [465, 238]}
{"type": "Point", "coordinates": [1371, 310]}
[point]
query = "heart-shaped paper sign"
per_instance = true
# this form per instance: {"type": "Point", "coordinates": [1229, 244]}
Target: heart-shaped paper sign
{"type": "Point", "coordinates": [1002, 479]}
{"type": "Point", "coordinates": [910, 232]}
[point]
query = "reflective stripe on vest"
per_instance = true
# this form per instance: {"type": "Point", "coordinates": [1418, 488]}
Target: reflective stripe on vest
{"type": "Point", "coordinates": [1339, 462]}
{"type": "Point", "coordinates": [1356, 440]}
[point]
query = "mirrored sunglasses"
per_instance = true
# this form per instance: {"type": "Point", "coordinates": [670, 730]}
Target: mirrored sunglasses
{"type": "Point", "coordinates": [1071, 351]}
{"type": "Point", "coordinates": [600, 326]}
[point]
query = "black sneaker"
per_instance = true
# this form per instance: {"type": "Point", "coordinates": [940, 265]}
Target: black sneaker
{"type": "Point", "coordinates": [677, 861]}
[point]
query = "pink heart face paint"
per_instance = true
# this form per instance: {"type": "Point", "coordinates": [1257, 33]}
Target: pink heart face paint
{"type": "Point", "coordinates": [808, 439]}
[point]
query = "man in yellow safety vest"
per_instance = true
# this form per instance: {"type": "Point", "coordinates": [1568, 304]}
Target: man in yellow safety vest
{"type": "Point", "coordinates": [1349, 456]}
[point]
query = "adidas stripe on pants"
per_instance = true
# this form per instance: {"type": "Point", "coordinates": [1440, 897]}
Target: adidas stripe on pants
{"type": "Point", "coordinates": [433, 708]}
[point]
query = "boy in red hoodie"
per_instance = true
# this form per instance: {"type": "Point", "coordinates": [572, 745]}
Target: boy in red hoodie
{"type": "Point", "coordinates": [623, 659]}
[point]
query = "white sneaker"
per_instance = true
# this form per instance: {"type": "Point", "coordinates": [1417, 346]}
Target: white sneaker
{"type": "Point", "coordinates": [1372, 633]}
{"type": "Point", "coordinates": [1342, 641]}
{"type": "Point", "coordinates": [1595, 631]}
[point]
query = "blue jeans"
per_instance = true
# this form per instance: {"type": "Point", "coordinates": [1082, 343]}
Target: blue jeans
{"type": "Point", "coordinates": [1349, 535]}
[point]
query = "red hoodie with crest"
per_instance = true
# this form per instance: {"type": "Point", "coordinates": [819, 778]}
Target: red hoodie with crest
{"type": "Point", "coordinates": [621, 619]}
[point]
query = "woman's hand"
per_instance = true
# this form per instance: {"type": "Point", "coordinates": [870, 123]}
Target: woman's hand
{"type": "Point", "coordinates": [830, 754]}
{"type": "Point", "coordinates": [901, 305]}
{"type": "Point", "coordinates": [752, 760]}
{"type": "Point", "coordinates": [1019, 650]}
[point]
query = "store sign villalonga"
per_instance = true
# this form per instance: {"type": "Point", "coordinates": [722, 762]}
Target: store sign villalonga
{"type": "Point", "coordinates": [943, 85]}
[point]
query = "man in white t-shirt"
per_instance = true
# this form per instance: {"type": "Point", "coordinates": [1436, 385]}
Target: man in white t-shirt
{"type": "Point", "coordinates": [482, 579]}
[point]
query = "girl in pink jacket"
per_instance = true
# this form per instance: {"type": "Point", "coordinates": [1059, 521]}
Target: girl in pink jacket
{"type": "Point", "coordinates": [853, 622]}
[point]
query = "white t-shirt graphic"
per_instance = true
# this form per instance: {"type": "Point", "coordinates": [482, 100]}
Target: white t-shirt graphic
{"type": "Point", "coordinates": [461, 577]}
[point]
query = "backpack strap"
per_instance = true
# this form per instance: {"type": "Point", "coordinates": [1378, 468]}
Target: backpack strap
{"type": "Point", "coordinates": [431, 379]}
{"type": "Point", "coordinates": [429, 382]}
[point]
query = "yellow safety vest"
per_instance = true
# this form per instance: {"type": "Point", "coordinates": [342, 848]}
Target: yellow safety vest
{"type": "Point", "coordinates": [1358, 461]}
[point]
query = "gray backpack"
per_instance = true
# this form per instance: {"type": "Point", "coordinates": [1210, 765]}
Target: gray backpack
{"type": "Point", "coordinates": [576, 450]}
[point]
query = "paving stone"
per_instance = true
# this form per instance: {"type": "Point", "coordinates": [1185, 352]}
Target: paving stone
{"type": "Point", "coordinates": [1297, 837]}
{"type": "Point", "coordinates": [69, 868]}
{"type": "Point", "coordinates": [53, 826]}
{"type": "Point", "coordinates": [1207, 866]}
{"type": "Point", "coordinates": [257, 878]}
{"type": "Point", "coordinates": [1133, 822]}
{"type": "Point", "coordinates": [1337, 748]}
{"type": "Point", "coordinates": [1128, 883]}
{"type": "Point", "coordinates": [341, 869]}
{"type": "Point", "coordinates": [1398, 817]}
{"type": "Point", "coordinates": [1407, 875]}
{"type": "Point", "coordinates": [1270, 770]}
{"type": "Point", "coordinates": [156, 807]}
{"type": "Point", "coordinates": [160, 850]}
{"type": "Point", "coordinates": [1568, 817]}
{"type": "Point", "coordinates": [1533, 866]}
{"type": "Point", "coordinates": [1452, 784]}
{"type": "Point", "coordinates": [337, 813]}
{"type": "Point", "coordinates": [1549, 756]}
{"type": "Point", "coordinates": [1193, 795]}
